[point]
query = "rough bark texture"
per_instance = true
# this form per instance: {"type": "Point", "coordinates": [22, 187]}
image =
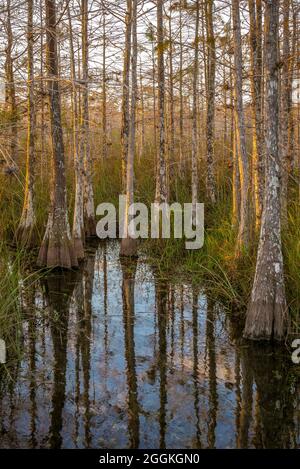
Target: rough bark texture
{"type": "Point", "coordinates": [171, 107]}
{"type": "Point", "coordinates": [57, 248]}
{"type": "Point", "coordinates": [78, 220]}
{"type": "Point", "coordinates": [129, 245]}
{"type": "Point", "coordinates": [286, 106]}
{"type": "Point", "coordinates": [161, 179]}
{"type": "Point", "coordinates": [236, 195]}
{"type": "Point", "coordinates": [244, 226]}
{"type": "Point", "coordinates": [10, 91]}
{"type": "Point", "coordinates": [26, 233]}
{"type": "Point", "coordinates": [104, 97]}
{"type": "Point", "coordinates": [255, 13]}
{"type": "Point", "coordinates": [210, 116]}
{"type": "Point", "coordinates": [125, 95]}
{"type": "Point", "coordinates": [89, 206]}
{"type": "Point", "coordinates": [195, 142]}
{"type": "Point", "coordinates": [181, 143]}
{"type": "Point", "coordinates": [267, 310]}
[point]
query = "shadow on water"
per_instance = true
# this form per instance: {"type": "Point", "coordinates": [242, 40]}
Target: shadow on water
{"type": "Point", "coordinates": [116, 357]}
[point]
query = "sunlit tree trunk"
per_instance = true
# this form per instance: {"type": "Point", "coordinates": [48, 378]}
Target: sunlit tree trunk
{"type": "Point", "coordinates": [171, 101]}
{"type": "Point", "coordinates": [286, 106]}
{"type": "Point", "coordinates": [44, 159]}
{"type": "Point", "coordinates": [10, 91]}
{"type": "Point", "coordinates": [88, 202]}
{"type": "Point", "coordinates": [104, 94]}
{"type": "Point", "coordinates": [129, 245]}
{"type": "Point", "coordinates": [195, 143]}
{"type": "Point", "coordinates": [57, 248]}
{"type": "Point", "coordinates": [181, 143]}
{"type": "Point", "coordinates": [267, 310]}
{"type": "Point", "coordinates": [26, 230]}
{"type": "Point", "coordinates": [255, 12]}
{"type": "Point", "coordinates": [236, 197]}
{"type": "Point", "coordinates": [125, 95]}
{"type": "Point", "coordinates": [210, 115]}
{"type": "Point", "coordinates": [161, 193]}
{"type": "Point", "coordinates": [244, 227]}
{"type": "Point", "coordinates": [78, 220]}
{"type": "Point", "coordinates": [142, 115]}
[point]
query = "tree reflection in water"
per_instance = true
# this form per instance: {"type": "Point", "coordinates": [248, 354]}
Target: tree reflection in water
{"type": "Point", "coordinates": [115, 356]}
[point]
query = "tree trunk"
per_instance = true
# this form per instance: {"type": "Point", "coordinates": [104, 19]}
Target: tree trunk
{"type": "Point", "coordinates": [195, 142]}
{"type": "Point", "coordinates": [210, 115]}
{"type": "Point", "coordinates": [125, 96]}
{"type": "Point", "coordinates": [26, 234]}
{"type": "Point", "coordinates": [243, 234]}
{"type": "Point", "coordinates": [142, 115]}
{"type": "Point", "coordinates": [89, 206]}
{"type": "Point", "coordinates": [10, 91]}
{"type": "Point", "coordinates": [267, 310]}
{"type": "Point", "coordinates": [236, 197]}
{"type": "Point", "coordinates": [104, 111]}
{"type": "Point", "coordinates": [171, 101]}
{"type": "Point", "coordinates": [128, 244]}
{"type": "Point", "coordinates": [286, 106]}
{"type": "Point", "coordinates": [181, 136]}
{"type": "Point", "coordinates": [78, 220]}
{"type": "Point", "coordinates": [161, 193]}
{"type": "Point", "coordinates": [255, 12]}
{"type": "Point", "coordinates": [57, 248]}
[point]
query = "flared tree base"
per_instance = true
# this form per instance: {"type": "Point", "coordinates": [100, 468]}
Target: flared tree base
{"type": "Point", "coordinates": [266, 320]}
{"type": "Point", "coordinates": [57, 253]}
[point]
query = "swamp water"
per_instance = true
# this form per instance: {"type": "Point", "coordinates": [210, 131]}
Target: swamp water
{"type": "Point", "coordinates": [114, 357]}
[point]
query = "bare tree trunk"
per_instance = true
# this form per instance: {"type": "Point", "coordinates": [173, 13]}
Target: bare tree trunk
{"type": "Point", "coordinates": [236, 197]}
{"type": "Point", "coordinates": [57, 248]}
{"type": "Point", "coordinates": [142, 115]}
{"type": "Point", "coordinates": [286, 105]}
{"type": "Point", "coordinates": [44, 159]}
{"type": "Point", "coordinates": [210, 116]}
{"type": "Point", "coordinates": [171, 101]}
{"type": "Point", "coordinates": [244, 226]}
{"type": "Point", "coordinates": [125, 96]}
{"type": "Point", "coordinates": [181, 136]}
{"type": "Point", "coordinates": [128, 244]}
{"type": "Point", "coordinates": [267, 310]}
{"type": "Point", "coordinates": [11, 91]}
{"type": "Point", "coordinates": [255, 12]}
{"type": "Point", "coordinates": [78, 219]}
{"type": "Point", "coordinates": [161, 193]}
{"type": "Point", "coordinates": [154, 98]}
{"type": "Point", "coordinates": [195, 143]}
{"type": "Point", "coordinates": [89, 206]}
{"type": "Point", "coordinates": [26, 230]}
{"type": "Point", "coordinates": [104, 111]}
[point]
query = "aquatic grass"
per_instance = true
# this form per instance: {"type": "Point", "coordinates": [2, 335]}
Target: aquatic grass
{"type": "Point", "coordinates": [16, 278]}
{"type": "Point", "coordinates": [291, 250]}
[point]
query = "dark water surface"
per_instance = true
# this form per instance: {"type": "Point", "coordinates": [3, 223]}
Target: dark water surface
{"type": "Point", "coordinates": [114, 357]}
